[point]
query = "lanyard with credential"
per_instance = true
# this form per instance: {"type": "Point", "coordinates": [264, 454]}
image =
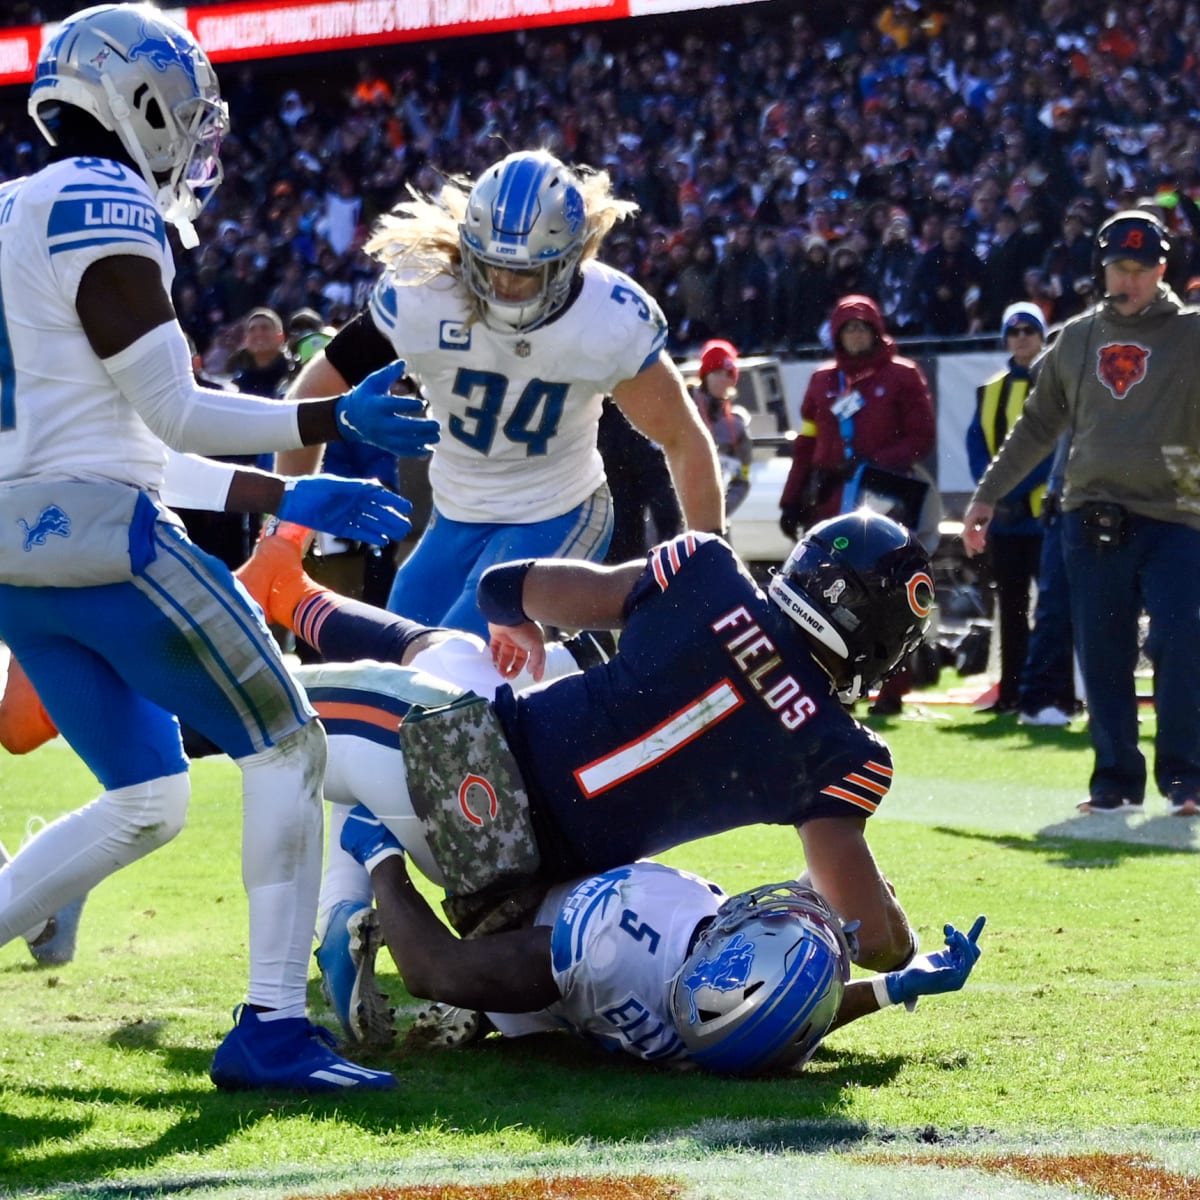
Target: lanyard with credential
{"type": "Point", "coordinates": [844, 407]}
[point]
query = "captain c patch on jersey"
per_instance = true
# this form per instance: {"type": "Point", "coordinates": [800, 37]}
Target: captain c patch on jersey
{"type": "Point", "coordinates": [454, 335]}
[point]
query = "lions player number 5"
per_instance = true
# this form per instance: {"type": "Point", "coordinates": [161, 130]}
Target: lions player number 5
{"type": "Point", "coordinates": [639, 930]}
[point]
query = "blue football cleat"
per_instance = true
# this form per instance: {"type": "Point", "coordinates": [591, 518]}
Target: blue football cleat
{"type": "Point", "coordinates": [346, 957]}
{"type": "Point", "coordinates": [55, 944]}
{"type": "Point", "coordinates": [291, 1054]}
{"type": "Point", "coordinates": [366, 838]}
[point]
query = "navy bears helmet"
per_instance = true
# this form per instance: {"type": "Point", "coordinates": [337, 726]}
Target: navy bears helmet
{"type": "Point", "coordinates": [861, 586]}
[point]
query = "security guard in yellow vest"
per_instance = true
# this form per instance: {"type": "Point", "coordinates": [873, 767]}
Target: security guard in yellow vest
{"type": "Point", "coordinates": [1015, 534]}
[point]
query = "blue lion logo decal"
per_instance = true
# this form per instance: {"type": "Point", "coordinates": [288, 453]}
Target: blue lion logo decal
{"type": "Point", "coordinates": [573, 210]}
{"type": "Point", "coordinates": [726, 973]}
{"type": "Point", "coordinates": [51, 520]}
{"type": "Point", "coordinates": [162, 53]}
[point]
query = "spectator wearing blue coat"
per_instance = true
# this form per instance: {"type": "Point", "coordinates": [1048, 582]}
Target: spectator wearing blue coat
{"type": "Point", "coordinates": [1015, 534]}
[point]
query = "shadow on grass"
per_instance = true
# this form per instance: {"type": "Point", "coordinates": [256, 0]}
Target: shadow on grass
{"type": "Point", "coordinates": [995, 728]}
{"type": "Point", "coordinates": [1061, 845]}
{"type": "Point", "coordinates": [556, 1086]}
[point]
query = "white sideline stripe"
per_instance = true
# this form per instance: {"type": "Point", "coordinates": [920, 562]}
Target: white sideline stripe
{"type": "Point", "coordinates": [659, 743]}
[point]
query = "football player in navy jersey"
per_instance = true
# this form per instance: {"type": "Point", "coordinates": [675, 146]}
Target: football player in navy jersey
{"type": "Point", "coordinates": [722, 707]}
{"type": "Point", "coordinates": [516, 332]}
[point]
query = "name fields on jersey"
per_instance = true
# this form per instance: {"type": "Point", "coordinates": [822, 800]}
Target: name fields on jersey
{"type": "Point", "coordinates": [760, 662]}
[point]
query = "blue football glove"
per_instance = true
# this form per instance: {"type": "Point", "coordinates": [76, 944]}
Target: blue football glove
{"type": "Point", "coordinates": [348, 508]}
{"type": "Point", "coordinates": [367, 839]}
{"type": "Point", "coordinates": [942, 971]}
{"type": "Point", "coordinates": [369, 413]}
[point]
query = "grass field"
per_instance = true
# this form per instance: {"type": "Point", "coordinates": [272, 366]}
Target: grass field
{"type": "Point", "coordinates": [1069, 1066]}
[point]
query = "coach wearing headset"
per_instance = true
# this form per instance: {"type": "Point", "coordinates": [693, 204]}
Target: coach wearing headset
{"type": "Point", "coordinates": [1123, 379]}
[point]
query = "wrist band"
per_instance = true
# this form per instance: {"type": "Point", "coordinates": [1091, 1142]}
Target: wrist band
{"type": "Point", "coordinates": [879, 986]}
{"type": "Point", "coordinates": [499, 593]}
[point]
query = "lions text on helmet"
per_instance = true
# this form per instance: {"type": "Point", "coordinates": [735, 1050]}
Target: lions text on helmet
{"type": "Point", "coordinates": [145, 79]}
{"type": "Point", "coordinates": [861, 586]}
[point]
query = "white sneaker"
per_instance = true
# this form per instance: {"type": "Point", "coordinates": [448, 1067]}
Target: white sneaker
{"type": "Point", "coordinates": [1049, 716]}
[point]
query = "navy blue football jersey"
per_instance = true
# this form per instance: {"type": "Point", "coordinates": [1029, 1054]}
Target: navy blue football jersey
{"type": "Point", "coordinates": [712, 715]}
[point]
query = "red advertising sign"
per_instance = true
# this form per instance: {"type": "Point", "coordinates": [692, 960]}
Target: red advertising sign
{"type": "Point", "coordinates": [19, 49]}
{"type": "Point", "coordinates": [229, 32]}
{"type": "Point", "coordinates": [237, 31]}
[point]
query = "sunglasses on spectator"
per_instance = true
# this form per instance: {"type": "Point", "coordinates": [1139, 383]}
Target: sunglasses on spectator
{"type": "Point", "coordinates": [1026, 330]}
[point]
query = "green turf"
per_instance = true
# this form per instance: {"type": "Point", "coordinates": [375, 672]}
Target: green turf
{"type": "Point", "coordinates": [1080, 1028]}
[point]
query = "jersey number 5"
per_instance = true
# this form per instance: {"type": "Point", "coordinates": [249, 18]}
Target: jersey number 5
{"type": "Point", "coordinates": [639, 932]}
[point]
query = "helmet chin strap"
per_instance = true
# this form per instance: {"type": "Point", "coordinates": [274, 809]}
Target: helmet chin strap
{"type": "Point", "coordinates": [167, 202]}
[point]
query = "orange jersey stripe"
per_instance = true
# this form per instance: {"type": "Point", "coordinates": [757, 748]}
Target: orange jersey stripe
{"type": "Point", "coordinates": [341, 710]}
{"type": "Point", "coordinates": [851, 797]}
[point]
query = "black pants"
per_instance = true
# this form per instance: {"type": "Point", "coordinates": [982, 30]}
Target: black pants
{"type": "Point", "coordinates": [1015, 558]}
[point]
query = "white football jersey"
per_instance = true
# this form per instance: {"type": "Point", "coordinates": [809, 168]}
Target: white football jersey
{"type": "Point", "coordinates": [617, 941]}
{"type": "Point", "coordinates": [61, 415]}
{"type": "Point", "coordinates": [518, 411]}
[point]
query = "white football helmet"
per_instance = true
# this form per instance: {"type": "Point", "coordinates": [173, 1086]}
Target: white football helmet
{"type": "Point", "coordinates": [764, 981]}
{"type": "Point", "coordinates": [525, 215]}
{"type": "Point", "coordinates": [148, 81]}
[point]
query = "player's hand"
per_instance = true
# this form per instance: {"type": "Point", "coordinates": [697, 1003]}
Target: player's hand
{"type": "Point", "coordinates": [347, 508]}
{"type": "Point", "coordinates": [516, 646]}
{"type": "Point", "coordinates": [369, 413]}
{"type": "Point", "coordinates": [976, 520]}
{"type": "Point", "coordinates": [942, 971]}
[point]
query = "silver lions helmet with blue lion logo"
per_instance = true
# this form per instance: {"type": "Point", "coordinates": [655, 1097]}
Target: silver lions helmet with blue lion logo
{"type": "Point", "coordinates": [763, 982]}
{"type": "Point", "coordinates": [522, 239]}
{"type": "Point", "coordinates": [146, 79]}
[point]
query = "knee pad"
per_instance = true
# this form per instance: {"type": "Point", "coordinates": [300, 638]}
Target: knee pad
{"type": "Point", "coordinates": [154, 811]}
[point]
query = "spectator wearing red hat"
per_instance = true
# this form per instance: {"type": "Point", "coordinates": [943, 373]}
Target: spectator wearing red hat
{"type": "Point", "coordinates": [728, 423]}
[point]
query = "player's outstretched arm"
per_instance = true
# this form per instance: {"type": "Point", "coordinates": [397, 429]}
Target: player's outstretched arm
{"type": "Point", "coordinates": [844, 871]}
{"type": "Point", "coordinates": [498, 972]}
{"type": "Point", "coordinates": [515, 598]}
{"type": "Point", "coordinates": [363, 510]}
{"type": "Point", "coordinates": [933, 974]}
{"type": "Point", "coordinates": [130, 324]}
{"type": "Point", "coordinates": [657, 403]}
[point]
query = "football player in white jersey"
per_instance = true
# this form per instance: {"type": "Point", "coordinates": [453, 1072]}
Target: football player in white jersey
{"type": "Point", "coordinates": [119, 620]}
{"type": "Point", "coordinates": [516, 332]}
{"type": "Point", "coordinates": [648, 960]}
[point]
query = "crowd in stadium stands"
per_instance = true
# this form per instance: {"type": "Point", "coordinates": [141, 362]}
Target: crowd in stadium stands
{"type": "Point", "coordinates": [946, 160]}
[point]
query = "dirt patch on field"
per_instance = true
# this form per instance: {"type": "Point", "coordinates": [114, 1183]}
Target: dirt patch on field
{"type": "Point", "coordinates": [1121, 1176]}
{"type": "Point", "coordinates": [562, 1187]}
